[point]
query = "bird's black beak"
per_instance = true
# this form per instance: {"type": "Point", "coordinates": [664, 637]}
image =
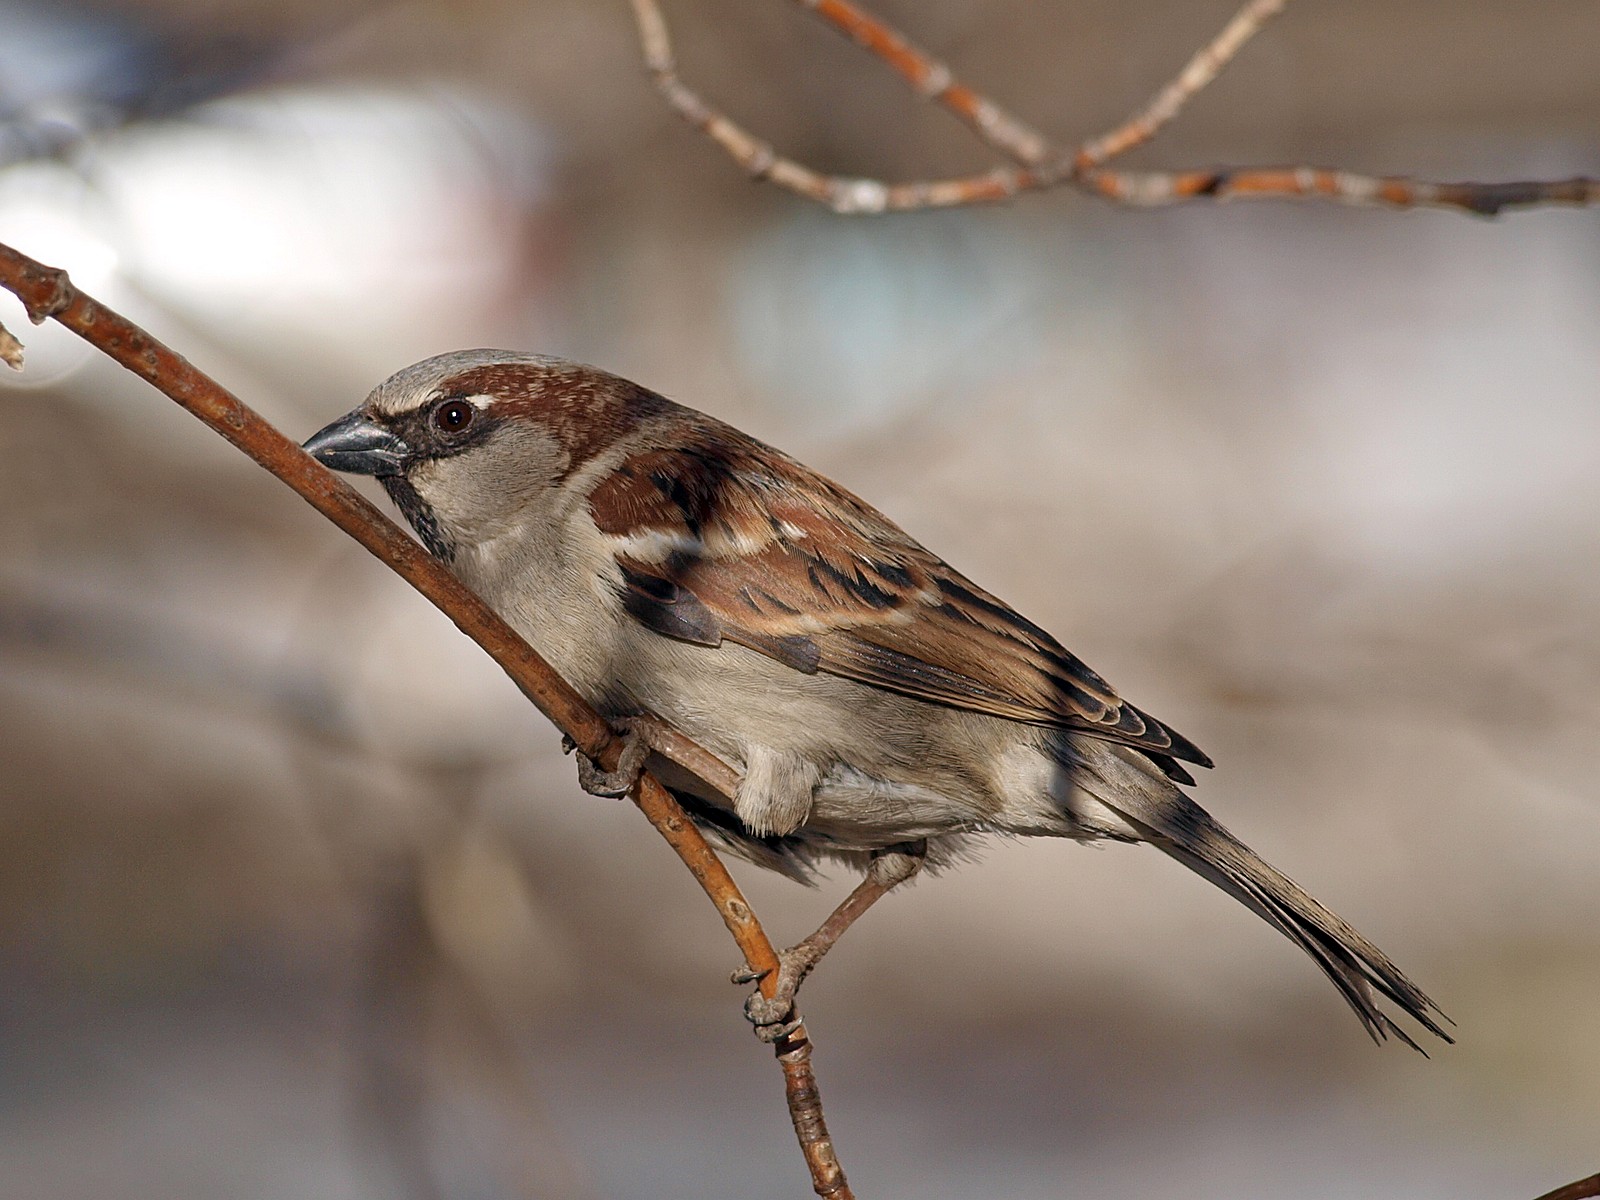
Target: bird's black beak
{"type": "Point", "coordinates": [359, 445]}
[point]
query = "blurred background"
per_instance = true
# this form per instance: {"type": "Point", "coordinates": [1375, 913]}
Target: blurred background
{"type": "Point", "coordinates": [298, 896]}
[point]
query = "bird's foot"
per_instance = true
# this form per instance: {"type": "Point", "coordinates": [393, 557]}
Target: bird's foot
{"type": "Point", "coordinates": [613, 784]}
{"type": "Point", "coordinates": [774, 1016]}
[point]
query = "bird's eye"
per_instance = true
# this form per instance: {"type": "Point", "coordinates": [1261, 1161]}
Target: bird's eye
{"type": "Point", "coordinates": [453, 416]}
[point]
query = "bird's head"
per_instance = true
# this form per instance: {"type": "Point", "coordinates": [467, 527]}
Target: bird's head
{"type": "Point", "coordinates": [466, 443]}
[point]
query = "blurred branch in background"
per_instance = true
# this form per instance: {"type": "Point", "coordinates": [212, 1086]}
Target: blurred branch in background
{"type": "Point", "coordinates": [48, 293]}
{"type": "Point", "coordinates": [1044, 166]}
{"type": "Point", "coordinates": [425, 1033]}
{"type": "Point", "coordinates": [419, 1009]}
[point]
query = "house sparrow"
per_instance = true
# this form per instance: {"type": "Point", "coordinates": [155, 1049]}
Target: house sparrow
{"type": "Point", "coordinates": [880, 707]}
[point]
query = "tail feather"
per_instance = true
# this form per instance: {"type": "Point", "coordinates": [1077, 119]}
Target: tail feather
{"type": "Point", "coordinates": [1175, 824]}
{"type": "Point", "coordinates": [1354, 965]}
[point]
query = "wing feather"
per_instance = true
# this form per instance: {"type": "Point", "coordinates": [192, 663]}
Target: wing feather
{"type": "Point", "coordinates": [727, 539]}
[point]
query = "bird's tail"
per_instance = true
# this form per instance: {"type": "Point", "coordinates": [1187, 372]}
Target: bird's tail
{"type": "Point", "coordinates": [1162, 815]}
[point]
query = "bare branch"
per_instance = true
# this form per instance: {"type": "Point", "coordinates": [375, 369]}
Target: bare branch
{"type": "Point", "coordinates": [1155, 188]}
{"type": "Point", "coordinates": [840, 193]}
{"type": "Point", "coordinates": [1582, 1189]}
{"type": "Point", "coordinates": [1043, 166]}
{"type": "Point", "coordinates": [667, 741]}
{"type": "Point", "coordinates": [1010, 134]}
{"type": "Point", "coordinates": [933, 80]}
{"type": "Point", "coordinates": [750, 152]}
{"type": "Point", "coordinates": [47, 292]}
{"type": "Point", "coordinates": [1198, 73]}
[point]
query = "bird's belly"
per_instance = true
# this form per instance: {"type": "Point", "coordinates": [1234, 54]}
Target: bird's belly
{"type": "Point", "coordinates": [890, 768]}
{"type": "Point", "coordinates": [857, 811]}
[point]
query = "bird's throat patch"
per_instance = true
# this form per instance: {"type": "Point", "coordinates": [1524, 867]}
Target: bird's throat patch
{"type": "Point", "coordinates": [419, 513]}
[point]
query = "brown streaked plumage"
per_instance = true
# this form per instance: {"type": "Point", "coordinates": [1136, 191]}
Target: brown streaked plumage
{"type": "Point", "coordinates": [744, 543]}
{"type": "Point", "coordinates": [879, 706]}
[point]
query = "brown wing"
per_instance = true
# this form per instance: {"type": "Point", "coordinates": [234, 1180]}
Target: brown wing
{"type": "Point", "coordinates": [733, 540]}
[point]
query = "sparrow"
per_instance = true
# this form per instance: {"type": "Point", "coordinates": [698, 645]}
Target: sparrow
{"type": "Point", "coordinates": [879, 707]}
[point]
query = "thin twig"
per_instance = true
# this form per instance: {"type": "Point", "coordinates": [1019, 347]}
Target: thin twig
{"type": "Point", "coordinates": [1041, 166]}
{"type": "Point", "coordinates": [1197, 73]}
{"type": "Point", "coordinates": [1155, 188]}
{"type": "Point", "coordinates": [934, 81]}
{"type": "Point", "coordinates": [46, 292]}
{"type": "Point", "coordinates": [761, 161]}
{"type": "Point", "coordinates": [668, 742]}
{"type": "Point", "coordinates": [1582, 1189]}
{"type": "Point", "coordinates": [1010, 134]}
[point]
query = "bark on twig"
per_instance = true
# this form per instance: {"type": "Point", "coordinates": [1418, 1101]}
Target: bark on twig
{"type": "Point", "coordinates": [1155, 188]}
{"type": "Point", "coordinates": [929, 78]}
{"type": "Point", "coordinates": [46, 292]}
{"type": "Point", "coordinates": [1040, 165]}
{"type": "Point", "coordinates": [1582, 1189]}
{"type": "Point", "coordinates": [1197, 74]}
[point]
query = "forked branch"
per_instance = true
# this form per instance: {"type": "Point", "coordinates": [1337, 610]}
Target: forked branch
{"type": "Point", "coordinates": [47, 293]}
{"type": "Point", "coordinates": [1038, 164]}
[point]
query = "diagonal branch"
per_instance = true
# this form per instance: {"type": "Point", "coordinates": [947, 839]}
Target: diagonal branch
{"type": "Point", "coordinates": [1042, 166]}
{"type": "Point", "coordinates": [46, 292]}
{"type": "Point", "coordinates": [838, 192]}
{"type": "Point", "coordinates": [933, 80]}
{"type": "Point", "coordinates": [1197, 74]}
{"type": "Point", "coordinates": [1581, 1189]}
{"type": "Point", "coordinates": [1009, 134]}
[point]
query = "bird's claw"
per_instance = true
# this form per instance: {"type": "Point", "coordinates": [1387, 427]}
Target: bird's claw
{"type": "Point", "coordinates": [614, 784]}
{"type": "Point", "coordinates": [774, 1016]}
{"type": "Point", "coordinates": [772, 1032]}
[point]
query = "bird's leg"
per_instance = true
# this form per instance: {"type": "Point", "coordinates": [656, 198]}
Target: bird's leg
{"type": "Point", "coordinates": [773, 1016]}
{"type": "Point", "coordinates": [615, 784]}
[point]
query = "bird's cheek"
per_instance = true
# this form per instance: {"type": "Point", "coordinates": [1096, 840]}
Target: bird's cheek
{"type": "Point", "coordinates": [466, 503]}
{"type": "Point", "coordinates": [445, 505]}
